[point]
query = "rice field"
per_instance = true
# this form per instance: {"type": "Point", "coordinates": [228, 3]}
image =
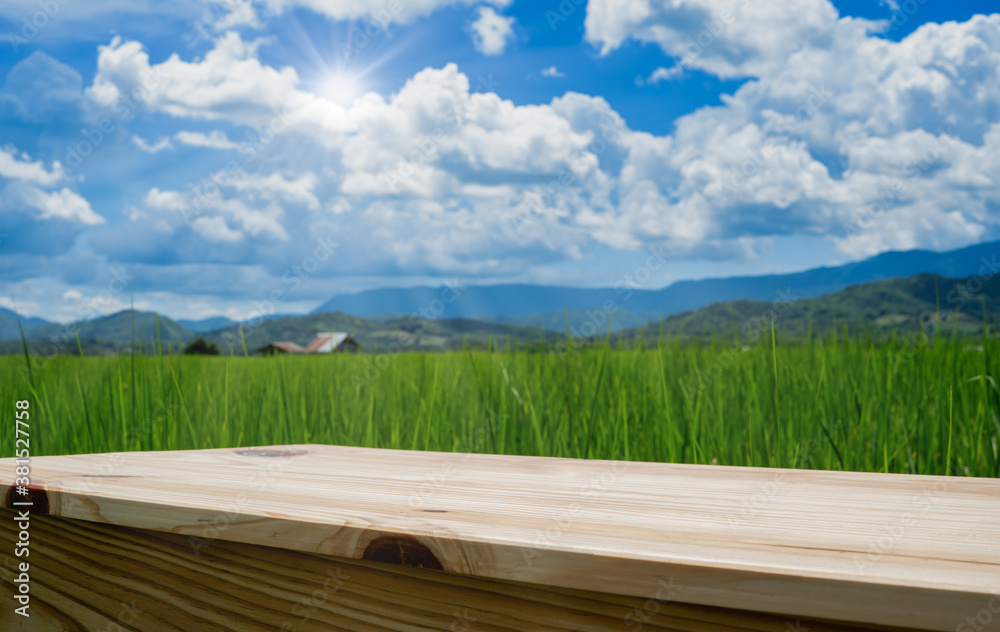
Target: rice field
{"type": "Point", "coordinates": [924, 408]}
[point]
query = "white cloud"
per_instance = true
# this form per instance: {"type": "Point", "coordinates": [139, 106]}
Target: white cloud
{"type": "Point", "coordinates": [861, 119]}
{"type": "Point", "coordinates": [228, 83]}
{"type": "Point", "coordinates": [665, 74]}
{"type": "Point", "coordinates": [491, 31]}
{"type": "Point", "coordinates": [24, 196]}
{"type": "Point", "coordinates": [278, 187]}
{"type": "Point", "coordinates": [380, 12]}
{"type": "Point", "coordinates": [215, 140]}
{"type": "Point", "coordinates": [152, 148]}
{"type": "Point", "coordinates": [264, 223]}
{"type": "Point", "coordinates": [438, 174]}
{"type": "Point", "coordinates": [165, 200]}
{"type": "Point", "coordinates": [216, 216]}
{"type": "Point", "coordinates": [64, 204]}
{"type": "Point", "coordinates": [215, 229]}
{"type": "Point", "coordinates": [726, 38]}
{"type": "Point", "coordinates": [552, 71]}
{"type": "Point", "coordinates": [11, 167]}
{"type": "Point", "coordinates": [70, 15]}
{"type": "Point", "coordinates": [436, 128]}
{"type": "Point", "coordinates": [234, 14]}
{"type": "Point", "coordinates": [826, 130]}
{"type": "Point", "coordinates": [23, 308]}
{"type": "Point", "coordinates": [76, 305]}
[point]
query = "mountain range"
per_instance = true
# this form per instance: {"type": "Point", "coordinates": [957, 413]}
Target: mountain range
{"type": "Point", "coordinates": [545, 305]}
{"type": "Point", "coordinates": [8, 324]}
{"type": "Point", "coordinates": [925, 302]}
{"type": "Point", "coordinates": [886, 291]}
{"type": "Point", "coordinates": [904, 305]}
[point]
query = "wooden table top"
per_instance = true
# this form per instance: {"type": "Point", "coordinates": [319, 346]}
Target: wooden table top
{"type": "Point", "coordinates": [919, 551]}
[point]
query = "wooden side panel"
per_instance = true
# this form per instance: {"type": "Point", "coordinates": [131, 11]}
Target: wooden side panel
{"type": "Point", "coordinates": [90, 576]}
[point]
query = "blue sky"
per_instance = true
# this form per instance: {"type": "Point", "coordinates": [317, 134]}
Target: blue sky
{"type": "Point", "coordinates": [196, 156]}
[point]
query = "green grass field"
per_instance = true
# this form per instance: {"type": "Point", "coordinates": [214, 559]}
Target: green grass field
{"type": "Point", "coordinates": [927, 409]}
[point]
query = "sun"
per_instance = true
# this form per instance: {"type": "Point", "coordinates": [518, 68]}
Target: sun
{"type": "Point", "coordinates": [340, 87]}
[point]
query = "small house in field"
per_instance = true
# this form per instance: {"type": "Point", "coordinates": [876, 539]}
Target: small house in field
{"type": "Point", "coordinates": [278, 348]}
{"type": "Point", "coordinates": [333, 341]}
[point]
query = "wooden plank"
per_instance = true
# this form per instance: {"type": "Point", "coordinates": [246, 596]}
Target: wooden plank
{"type": "Point", "coordinates": [911, 551]}
{"type": "Point", "coordinates": [93, 576]}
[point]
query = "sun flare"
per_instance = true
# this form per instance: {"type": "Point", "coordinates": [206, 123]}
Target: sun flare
{"type": "Point", "coordinates": [340, 87]}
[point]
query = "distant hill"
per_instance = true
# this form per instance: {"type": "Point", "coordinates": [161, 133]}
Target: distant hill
{"type": "Point", "coordinates": [406, 333]}
{"type": "Point", "coordinates": [904, 305]}
{"type": "Point", "coordinates": [111, 334]}
{"type": "Point", "coordinates": [545, 304]}
{"type": "Point", "coordinates": [881, 292]}
{"type": "Point", "coordinates": [8, 324]}
{"type": "Point", "coordinates": [117, 329]}
{"type": "Point", "coordinates": [206, 325]}
{"type": "Point", "coordinates": [899, 304]}
{"type": "Point", "coordinates": [558, 320]}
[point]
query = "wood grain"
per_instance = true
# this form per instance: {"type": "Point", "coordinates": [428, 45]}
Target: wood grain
{"type": "Point", "coordinates": [916, 552]}
{"type": "Point", "coordinates": [97, 577]}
